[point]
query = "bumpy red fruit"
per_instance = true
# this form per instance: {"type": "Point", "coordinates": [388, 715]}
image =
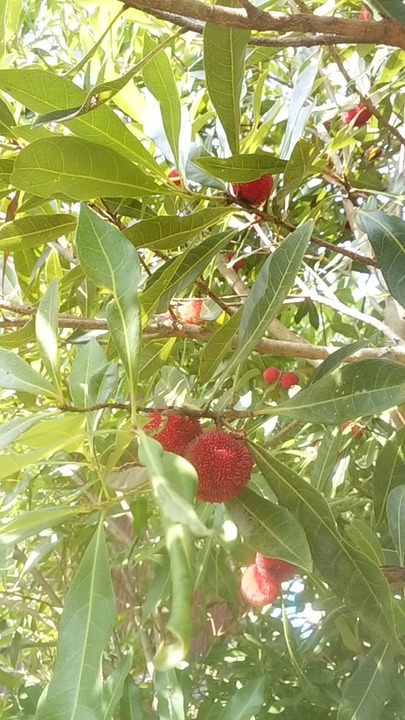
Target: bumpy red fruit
{"type": "Point", "coordinates": [190, 312]}
{"type": "Point", "coordinates": [177, 431]}
{"type": "Point", "coordinates": [256, 191]}
{"type": "Point", "coordinates": [289, 379]}
{"type": "Point", "coordinates": [257, 589]}
{"type": "Point", "coordinates": [271, 375]}
{"type": "Point", "coordinates": [278, 569]}
{"type": "Point", "coordinates": [360, 114]}
{"type": "Point", "coordinates": [174, 176]}
{"type": "Point", "coordinates": [223, 464]}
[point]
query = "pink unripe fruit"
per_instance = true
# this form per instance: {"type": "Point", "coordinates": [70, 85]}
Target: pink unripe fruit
{"type": "Point", "coordinates": [257, 589]}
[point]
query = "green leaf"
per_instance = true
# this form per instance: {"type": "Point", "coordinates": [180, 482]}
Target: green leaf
{"type": "Point", "coordinates": [336, 359]}
{"type": "Point", "coordinates": [174, 483]}
{"type": "Point", "coordinates": [46, 327]}
{"type": "Point", "coordinates": [349, 573]}
{"type": "Point", "coordinates": [131, 702]}
{"type": "Point", "coordinates": [110, 260]}
{"type": "Point", "coordinates": [35, 230]}
{"type": "Point", "coordinates": [11, 431]}
{"type": "Point", "coordinates": [387, 236]}
{"type": "Point", "coordinates": [86, 367]}
{"type": "Point", "coordinates": [268, 292]}
{"type": "Point", "coordinates": [10, 11]}
{"type": "Point", "coordinates": [114, 686]}
{"type": "Point", "coordinates": [80, 170]}
{"type": "Point", "coordinates": [241, 168]}
{"type": "Point", "coordinates": [43, 91]}
{"type": "Point", "coordinates": [6, 120]}
{"type": "Point", "coordinates": [159, 79]}
{"type": "Point", "coordinates": [389, 472]}
{"type": "Point", "coordinates": [396, 519]}
{"type": "Point", "coordinates": [224, 64]}
{"type": "Point", "coordinates": [247, 701]}
{"type": "Point", "coordinates": [170, 696]}
{"type": "Point", "coordinates": [326, 459]}
{"type": "Point", "coordinates": [6, 168]}
{"type": "Point", "coordinates": [76, 688]}
{"type": "Point", "coordinates": [299, 166]}
{"type": "Point", "coordinates": [218, 346]}
{"type": "Point", "coordinates": [20, 337]}
{"type": "Point", "coordinates": [177, 274]}
{"type": "Point", "coordinates": [33, 522]}
{"type": "Point", "coordinates": [362, 536]}
{"type": "Point", "coordinates": [269, 528]}
{"type": "Point", "coordinates": [394, 9]}
{"type": "Point", "coordinates": [299, 110]}
{"type": "Point", "coordinates": [362, 388]}
{"type": "Point", "coordinates": [16, 374]}
{"type": "Point", "coordinates": [368, 689]}
{"type": "Point", "coordinates": [167, 232]}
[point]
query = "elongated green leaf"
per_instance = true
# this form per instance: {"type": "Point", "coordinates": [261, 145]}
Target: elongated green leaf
{"type": "Point", "coordinates": [110, 260]}
{"type": "Point", "coordinates": [43, 92]}
{"type": "Point", "coordinates": [246, 702]}
{"type": "Point", "coordinates": [46, 327]}
{"type": "Point", "coordinates": [336, 359]}
{"type": "Point", "coordinates": [160, 81]}
{"type": "Point", "coordinates": [20, 337]}
{"type": "Point", "coordinates": [298, 109]}
{"type": "Point", "coordinates": [6, 120]}
{"type": "Point", "coordinates": [11, 431]}
{"type": "Point", "coordinates": [387, 236]}
{"type": "Point", "coordinates": [218, 346]}
{"type": "Point", "coordinates": [362, 388]}
{"type": "Point", "coordinates": [16, 374]}
{"type": "Point", "coordinates": [389, 472]}
{"type": "Point", "coordinates": [368, 689]}
{"type": "Point", "coordinates": [170, 231]}
{"type": "Point", "coordinates": [224, 64]}
{"type": "Point", "coordinates": [76, 688]}
{"type": "Point", "coordinates": [88, 368]}
{"type": "Point", "coordinates": [268, 292]}
{"type": "Point", "coordinates": [241, 168]}
{"type": "Point", "coordinates": [170, 696]}
{"type": "Point", "coordinates": [72, 167]}
{"type": "Point", "coordinates": [394, 9]}
{"type": "Point", "coordinates": [131, 702]}
{"type": "Point", "coordinates": [178, 273]}
{"type": "Point", "coordinates": [362, 536]}
{"type": "Point", "coordinates": [269, 528]}
{"type": "Point", "coordinates": [114, 686]}
{"type": "Point", "coordinates": [174, 483]}
{"type": "Point", "coordinates": [350, 574]}
{"type": "Point", "coordinates": [326, 459]}
{"type": "Point", "coordinates": [33, 522]}
{"type": "Point", "coordinates": [34, 231]}
{"type": "Point", "coordinates": [299, 166]}
{"type": "Point", "coordinates": [6, 168]}
{"type": "Point", "coordinates": [396, 519]}
{"type": "Point", "coordinates": [310, 692]}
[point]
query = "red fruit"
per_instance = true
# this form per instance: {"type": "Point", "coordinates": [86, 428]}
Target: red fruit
{"type": "Point", "coordinates": [360, 114]}
{"type": "Point", "coordinates": [364, 14]}
{"type": "Point", "coordinates": [175, 177]}
{"type": "Point", "coordinates": [239, 263]}
{"type": "Point", "coordinates": [177, 432]}
{"type": "Point", "coordinates": [271, 375]}
{"type": "Point", "coordinates": [256, 191]}
{"type": "Point", "coordinates": [279, 569]}
{"type": "Point", "coordinates": [289, 379]}
{"type": "Point", "coordinates": [223, 464]}
{"type": "Point", "coordinates": [190, 312]}
{"type": "Point", "coordinates": [257, 589]}
{"type": "Point", "coordinates": [356, 429]}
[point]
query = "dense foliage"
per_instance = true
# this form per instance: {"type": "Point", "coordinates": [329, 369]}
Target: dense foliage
{"type": "Point", "coordinates": [130, 289]}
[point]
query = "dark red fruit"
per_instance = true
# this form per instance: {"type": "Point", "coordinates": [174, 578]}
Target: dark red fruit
{"type": "Point", "coordinates": [356, 429]}
{"type": "Point", "coordinates": [177, 432]}
{"type": "Point", "coordinates": [238, 264]}
{"type": "Point", "coordinates": [256, 191]}
{"type": "Point", "coordinates": [223, 464]}
{"type": "Point", "coordinates": [271, 375]}
{"type": "Point", "coordinates": [359, 115]}
{"type": "Point", "coordinates": [175, 177]}
{"type": "Point", "coordinates": [289, 379]}
{"type": "Point", "coordinates": [257, 589]}
{"type": "Point", "coordinates": [279, 569]}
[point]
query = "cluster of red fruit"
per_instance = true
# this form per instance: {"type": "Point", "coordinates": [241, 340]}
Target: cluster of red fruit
{"type": "Point", "coordinates": [260, 582]}
{"type": "Point", "coordinates": [288, 379]}
{"type": "Point", "coordinates": [221, 459]}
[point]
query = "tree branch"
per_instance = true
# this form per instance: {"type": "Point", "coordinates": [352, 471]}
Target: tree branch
{"type": "Point", "coordinates": [356, 31]}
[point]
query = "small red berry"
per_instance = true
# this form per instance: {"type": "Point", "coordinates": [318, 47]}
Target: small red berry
{"type": "Point", "coordinates": [289, 379]}
{"type": "Point", "coordinates": [257, 589]}
{"type": "Point", "coordinates": [256, 191]}
{"type": "Point", "coordinates": [279, 569]}
{"type": "Point", "coordinates": [176, 433]}
{"type": "Point", "coordinates": [223, 464]}
{"type": "Point", "coordinates": [238, 264]}
{"type": "Point", "coordinates": [271, 375]}
{"type": "Point", "coordinates": [364, 14]}
{"type": "Point", "coordinates": [356, 429]}
{"type": "Point", "coordinates": [175, 177]}
{"type": "Point", "coordinates": [360, 114]}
